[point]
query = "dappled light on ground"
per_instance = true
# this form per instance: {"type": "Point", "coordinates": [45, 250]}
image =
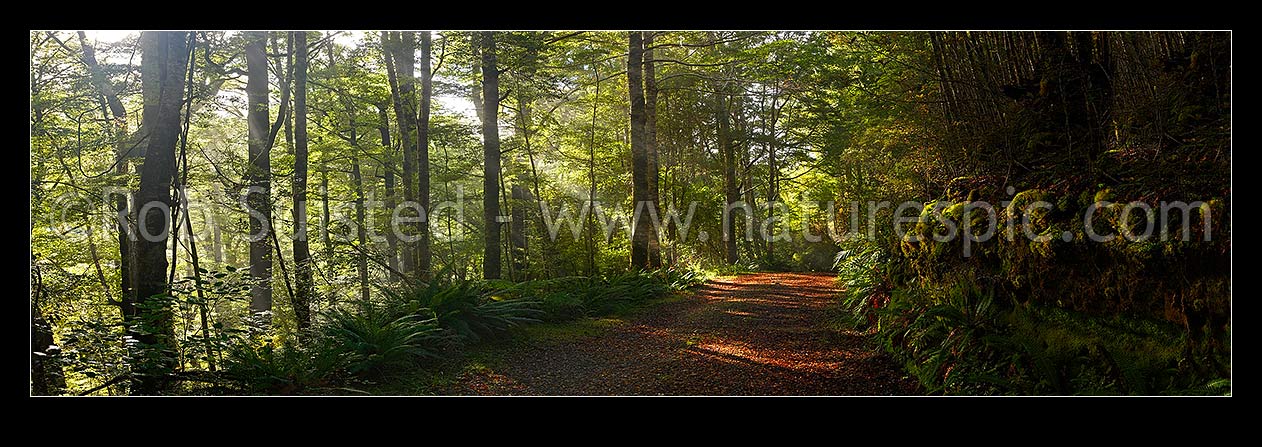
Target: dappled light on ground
{"type": "Point", "coordinates": [758, 334]}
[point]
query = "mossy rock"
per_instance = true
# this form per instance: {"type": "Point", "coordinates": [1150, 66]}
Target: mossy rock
{"type": "Point", "coordinates": [927, 222]}
{"type": "Point", "coordinates": [1021, 202]}
{"type": "Point", "coordinates": [1050, 241]}
{"type": "Point", "coordinates": [920, 235]}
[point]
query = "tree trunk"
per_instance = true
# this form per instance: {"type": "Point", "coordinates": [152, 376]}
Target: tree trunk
{"type": "Point", "coordinates": [423, 254]}
{"type": "Point", "coordinates": [229, 249]}
{"type": "Point", "coordinates": [164, 56]}
{"type": "Point", "coordinates": [216, 235]}
{"type": "Point", "coordinates": [491, 152]}
{"type": "Point", "coordinates": [360, 221]}
{"type": "Point", "coordinates": [745, 183]}
{"type": "Point", "coordinates": [399, 71]}
{"type": "Point", "coordinates": [523, 126]}
{"type": "Point", "coordinates": [405, 67]}
{"type": "Point", "coordinates": [259, 177]}
{"type": "Point", "coordinates": [121, 148]}
{"type": "Point", "coordinates": [517, 231]}
{"type": "Point", "coordinates": [591, 178]}
{"type": "Point", "coordinates": [773, 179]}
{"type": "Point", "coordinates": [47, 378]}
{"type": "Point", "coordinates": [325, 239]}
{"type": "Point", "coordinates": [203, 307]}
{"type": "Point", "coordinates": [639, 158]}
{"type": "Point", "coordinates": [392, 239]}
{"type": "Point", "coordinates": [650, 144]}
{"type": "Point", "coordinates": [302, 249]}
{"type": "Point", "coordinates": [731, 193]}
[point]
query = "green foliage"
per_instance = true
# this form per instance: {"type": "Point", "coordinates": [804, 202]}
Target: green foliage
{"type": "Point", "coordinates": [560, 306]}
{"type": "Point", "coordinates": [568, 298]}
{"type": "Point", "coordinates": [372, 340]}
{"type": "Point", "coordinates": [375, 338]}
{"type": "Point", "coordinates": [860, 276]}
{"type": "Point", "coordinates": [366, 342]}
{"type": "Point", "coordinates": [472, 311]}
{"type": "Point", "coordinates": [966, 341]}
{"type": "Point", "coordinates": [260, 367]}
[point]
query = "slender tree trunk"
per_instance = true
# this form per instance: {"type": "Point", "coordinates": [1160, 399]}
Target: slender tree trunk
{"type": "Point", "coordinates": [423, 252]}
{"type": "Point", "coordinates": [650, 144]}
{"type": "Point", "coordinates": [491, 152]}
{"type": "Point", "coordinates": [639, 158]}
{"type": "Point", "coordinates": [302, 249]}
{"type": "Point", "coordinates": [523, 126]}
{"type": "Point", "coordinates": [731, 193]}
{"type": "Point", "coordinates": [216, 234]}
{"type": "Point", "coordinates": [121, 154]}
{"type": "Point", "coordinates": [399, 73]}
{"type": "Point", "coordinates": [517, 231]}
{"type": "Point", "coordinates": [325, 239]}
{"type": "Point", "coordinates": [102, 85]}
{"type": "Point", "coordinates": [289, 66]}
{"type": "Point", "coordinates": [124, 247]}
{"type": "Point", "coordinates": [671, 233]}
{"type": "Point", "coordinates": [392, 239]}
{"type": "Point", "coordinates": [591, 178]}
{"type": "Point", "coordinates": [115, 109]}
{"type": "Point", "coordinates": [451, 241]}
{"type": "Point", "coordinates": [745, 184]}
{"type": "Point", "coordinates": [229, 248]}
{"type": "Point", "coordinates": [362, 233]}
{"type": "Point", "coordinates": [164, 56]}
{"type": "Point", "coordinates": [203, 307]}
{"type": "Point", "coordinates": [773, 178]}
{"type": "Point", "coordinates": [259, 198]}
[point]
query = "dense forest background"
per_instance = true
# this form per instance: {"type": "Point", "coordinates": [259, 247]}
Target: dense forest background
{"type": "Point", "coordinates": [351, 124]}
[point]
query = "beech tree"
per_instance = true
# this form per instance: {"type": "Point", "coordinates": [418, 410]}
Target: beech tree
{"type": "Point", "coordinates": [164, 59]}
{"type": "Point", "coordinates": [491, 264]}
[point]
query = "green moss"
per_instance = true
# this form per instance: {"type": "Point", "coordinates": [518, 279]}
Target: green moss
{"type": "Point", "coordinates": [1050, 241]}
{"type": "Point", "coordinates": [1102, 195]}
{"type": "Point", "coordinates": [1021, 205]}
{"type": "Point", "coordinates": [1025, 198]}
{"type": "Point", "coordinates": [955, 211]}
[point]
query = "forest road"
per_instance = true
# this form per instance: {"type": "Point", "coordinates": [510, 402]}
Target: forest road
{"type": "Point", "coordinates": [755, 334]}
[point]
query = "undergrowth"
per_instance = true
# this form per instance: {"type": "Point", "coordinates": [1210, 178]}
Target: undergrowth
{"type": "Point", "coordinates": [414, 326]}
{"type": "Point", "coordinates": [962, 338]}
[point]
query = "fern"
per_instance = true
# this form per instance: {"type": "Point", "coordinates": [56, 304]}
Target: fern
{"type": "Point", "coordinates": [377, 338]}
{"type": "Point", "coordinates": [467, 309]}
